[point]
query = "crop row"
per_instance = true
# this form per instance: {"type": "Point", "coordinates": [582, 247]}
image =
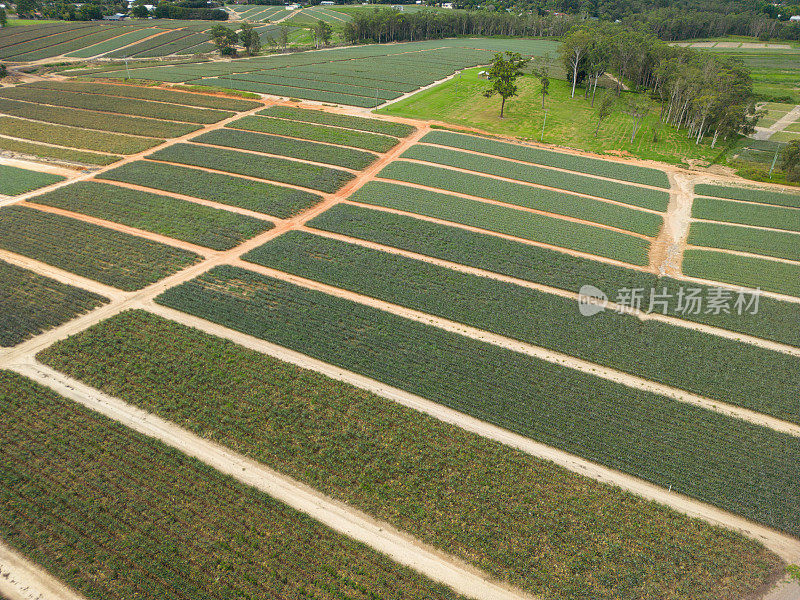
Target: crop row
{"type": "Point", "coordinates": [750, 271]}
{"type": "Point", "coordinates": [111, 257]}
{"type": "Point", "coordinates": [131, 106]}
{"type": "Point", "coordinates": [764, 215]}
{"type": "Point", "coordinates": [112, 44]}
{"type": "Point", "coordinates": [74, 137]}
{"type": "Point", "coordinates": [345, 70]}
{"type": "Point", "coordinates": [175, 46]}
{"type": "Point", "coordinates": [96, 120]}
{"type": "Point", "coordinates": [544, 266]}
{"type": "Point", "coordinates": [15, 181]}
{"type": "Point", "coordinates": [179, 219]}
{"type": "Point", "coordinates": [281, 170]}
{"type": "Point", "coordinates": [280, 90]}
{"type": "Point", "coordinates": [621, 192]}
{"type": "Point", "coordinates": [90, 37]}
{"type": "Point", "coordinates": [550, 201]}
{"type": "Point", "coordinates": [118, 515]}
{"type": "Point", "coordinates": [258, 196]}
{"type": "Point", "coordinates": [626, 429]}
{"type": "Point", "coordinates": [18, 35]}
{"type": "Point", "coordinates": [508, 220]}
{"type": "Point", "coordinates": [761, 196]}
{"type": "Point", "coordinates": [318, 73]}
{"type": "Point", "coordinates": [150, 44]}
{"type": "Point", "coordinates": [150, 93]}
{"type": "Point", "coordinates": [779, 244]}
{"type": "Point", "coordinates": [398, 130]}
{"type": "Point", "coordinates": [622, 342]}
{"type": "Point", "coordinates": [272, 144]}
{"type": "Point", "coordinates": [278, 77]}
{"type": "Point", "coordinates": [582, 164]}
{"type": "Point", "coordinates": [252, 402]}
{"type": "Point", "coordinates": [33, 303]}
{"type": "Point", "coordinates": [318, 133]}
{"type": "Point", "coordinates": [64, 154]}
{"type": "Point", "coordinates": [21, 47]}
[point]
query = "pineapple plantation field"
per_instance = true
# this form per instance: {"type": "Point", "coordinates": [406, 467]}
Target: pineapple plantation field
{"type": "Point", "coordinates": [269, 348]}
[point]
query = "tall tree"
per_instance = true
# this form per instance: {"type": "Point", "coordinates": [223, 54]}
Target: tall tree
{"type": "Point", "coordinates": [283, 36]}
{"type": "Point", "coordinates": [250, 39]}
{"type": "Point", "coordinates": [225, 39]}
{"type": "Point", "coordinates": [791, 161]}
{"type": "Point", "coordinates": [605, 110]}
{"type": "Point", "coordinates": [3, 18]}
{"type": "Point", "coordinates": [322, 33]}
{"type": "Point", "coordinates": [543, 73]}
{"type": "Point", "coordinates": [503, 75]}
{"type": "Point", "coordinates": [574, 49]}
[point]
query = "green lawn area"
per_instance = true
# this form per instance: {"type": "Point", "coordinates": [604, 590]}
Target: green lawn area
{"type": "Point", "coordinates": [18, 22]}
{"type": "Point", "coordinates": [570, 122]}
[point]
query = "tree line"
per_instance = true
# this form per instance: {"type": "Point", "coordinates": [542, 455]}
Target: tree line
{"type": "Point", "coordinates": [702, 93]}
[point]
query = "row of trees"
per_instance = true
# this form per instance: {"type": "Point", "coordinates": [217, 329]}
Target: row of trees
{"type": "Point", "coordinates": [226, 39]}
{"type": "Point", "coordinates": [703, 93]}
{"type": "Point", "coordinates": [387, 25]}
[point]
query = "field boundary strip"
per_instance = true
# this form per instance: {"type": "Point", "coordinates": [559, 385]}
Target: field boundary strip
{"type": "Point", "coordinates": [381, 536]}
{"type": "Point", "coordinates": [22, 578]}
{"type": "Point", "coordinates": [745, 225]}
{"type": "Point", "coordinates": [786, 546]}
{"type": "Point", "coordinates": [551, 356]}
{"type": "Point", "coordinates": [787, 261]}
{"type": "Point", "coordinates": [655, 316]}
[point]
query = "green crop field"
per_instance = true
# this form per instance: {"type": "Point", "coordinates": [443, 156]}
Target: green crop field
{"type": "Point", "coordinates": [541, 265]}
{"type": "Point", "coordinates": [119, 515]}
{"type": "Point", "coordinates": [505, 219]}
{"type": "Point", "coordinates": [750, 194]}
{"type": "Point", "coordinates": [130, 106]}
{"type": "Point", "coordinates": [318, 133]}
{"type": "Point", "coordinates": [89, 119]}
{"type": "Point", "coordinates": [324, 179]}
{"type": "Point", "coordinates": [547, 200]}
{"type": "Point", "coordinates": [258, 196]}
{"type": "Point", "coordinates": [322, 118]}
{"type": "Point", "coordinates": [271, 144]}
{"type": "Point", "coordinates": [571, 162]}
{"type": "Point", "coordinates": [776, 217]}
{"type": "Point", "coordinates": [750, 271]}
{"type": "Point", "coordinates": [623, 428]}
{"type": "Point", "coordinates": [245, 400]}
{"type": "Point", "coordinates": [15, 181]}
{"type": "Point", "coordinates": [74, 137]}
{"type": "Point", "coordinates": [179, 219]}
{"type": "Point", "coordinates": [645, 349]}
{"type": "Point", "coordinates": [111, 257]}
{"type": "Point", "coordinates": [62, 154]}
{"type": "Point", "coordinates": [778, 244]}
{"type": "Point", "coordinates": [620, 192]}
{"type": "Point", "coordinates": [33, 303]}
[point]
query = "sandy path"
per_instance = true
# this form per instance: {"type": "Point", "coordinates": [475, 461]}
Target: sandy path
{"type": "Point", "coordinates": [764, 133]}
{"type": "Point", "coordinates": [611, 306]}
{"type": "Point", "coordinates": [379, 535]}
{"type": "Point", "coordinates": [519, 207]}
{"type": "Point", "coordinates": [37, 166]}
{"type": "Point", "coordinates": [21, 579]}
{"type": "Point", "coordinates": [666, 253]}
{"type": "Point", "coordinates": [551, 356]}
{"type": "Point", "coordinates": [786, 546]}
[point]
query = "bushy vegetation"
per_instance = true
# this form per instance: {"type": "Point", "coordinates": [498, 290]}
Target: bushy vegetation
{"type": "Point", "coordinates": [118, 515]}
{"type": "Point", "coordinates": [179, 219]}
{"type": "Point", "coordinates": [776, 217]}
{"type": "Point", "coordinates": [779, 244]}
{"type": "Point", "coordinates": [111, 257]}
{"type": "Point", "coordinates": [572, 162]}
{"type": "Point", "coordinates": [15, 181]}
{"type": "Point", "coordinates": [626, 429]}
{"type": "Point", "coordinates": [130, 106]}
{"type": "Point", "coordinates": [258, 196]}
{"type": "Point", "coordinates": [661, 352]}
{"type": "Point", "coordinates": [89, 119]}
{"type": "Point", "coordinates": [318, 133]}
{"type": "Point", "coordinates": [272, 144]}
{"type": "Point", "coordinates": [33, 303]}
{"type": "Point", "coordinates": [74, 137]}
{"type": "Point", "coordinates": [749, 271]}
{"type": "Point", "coordinates": [620, 192]}
{"type": "Point", "coordinates": [541, 265]}
{"type": "Point", "coordinates": [323, 118]}
{"type": "Point", "coordinates": [324, 179]}
{"type": "Point", "coordinates": [506, 220]}
{"type": "Point", "coordinates": [379, 456]}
